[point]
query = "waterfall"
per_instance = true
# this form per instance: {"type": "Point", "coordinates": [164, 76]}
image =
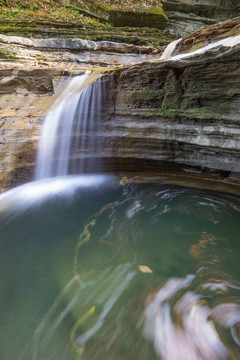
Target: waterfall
{"type": "Point", "coordinates": [171, 49]}
{"type": "Point", "coordinates": [71, 136]}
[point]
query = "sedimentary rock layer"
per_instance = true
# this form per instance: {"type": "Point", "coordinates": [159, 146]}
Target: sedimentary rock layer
{"type": "Point", "coordinates": [163, 115]}
{"type": "Point", "coordinates": [187, 16]}
{"type": "Point", "coordinates": [184, 112]}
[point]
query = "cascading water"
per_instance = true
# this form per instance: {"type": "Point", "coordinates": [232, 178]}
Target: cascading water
{"type": "Point", "coordinates": [72, 131]}
{"type": "Point", "coordinates": [173, 48]}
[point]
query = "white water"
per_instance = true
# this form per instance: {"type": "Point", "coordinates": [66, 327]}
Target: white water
{"type": "Point", "coordinates": [67, 136]}
{"type": "Point", "coordinates": [197, 338]}
{"type": "Point", "coordinates": [23, 197]}
{"type": "Point", "coordinates": [169, 51]}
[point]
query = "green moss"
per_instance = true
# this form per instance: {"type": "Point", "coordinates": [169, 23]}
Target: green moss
{"type": "Point", "coordinates": [165, 103]}
{"type": "Point", "coordinates": [199, 113]}
{"type": "Point", "coordinates": [41, 58]}
{"type": "Point", "coordinates": [153, 113]}
{"type": "Point", "coordinates": [233, 91]}
{"type": "Point", "coordinates": [144, 94]}
{"type": "Point", "coordinates": [193, 113]}
{"type": "Point", "coordinates": [17, 29]}
{"type": "Point", "coordinates": [54, 15]}
{"type": "Point", "coordinates": [169, 112]}
{"type": "Point", "coordinates": [6, 54]}
{"type": "Point", "coordinates": [158, 11]}
{"type": "Point", "coordinates": [106, 7]}
{"type": "Point", "coordinates": [148, 93]}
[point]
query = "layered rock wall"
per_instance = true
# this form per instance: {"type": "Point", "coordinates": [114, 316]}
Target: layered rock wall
{"type": "Point", "coordinates": [182, 114]}
{"type": "Point", "coordinates": [25, 96]}
{"type": "Point", "coordinates": [188, 16]}
{"type": "Point", "coordinates": [177, 114]}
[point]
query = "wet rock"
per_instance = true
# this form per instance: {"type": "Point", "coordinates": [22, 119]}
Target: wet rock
{"type": "Point", "coordinates": [187, 16]}
{"type": "Point", "coordinates": [213, 33]}
{"type": "Point", "coordinates": [138, 19]}
{"type": "Point", "coordinates": [75, 44]}
{"type": "Point", "coordinates": [72, 51]}
{"type": "Point", "coordinates": [38, 81]}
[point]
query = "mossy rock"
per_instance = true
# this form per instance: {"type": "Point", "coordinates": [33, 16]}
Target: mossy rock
{"type": "Point", "coordinates": [6, 54]}
{"type": "Point", "coordinates": [89, 8]}
{"type": "Point", "coordinates": [156, 19]}
{"type": "Point", "coordinates": [132, 35]}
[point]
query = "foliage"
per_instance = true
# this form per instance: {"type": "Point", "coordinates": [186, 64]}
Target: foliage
{"type": "Point", "coordinates": [54, 9]}
{"type": "Point", "coordinates": [28, 4]}
{"type": "Point", "coordinates": [46, 10]}
{"type": "Point", "coordinates": [51, 11]}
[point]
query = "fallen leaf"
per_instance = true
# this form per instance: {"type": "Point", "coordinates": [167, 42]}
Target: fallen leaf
{"type": "Point", "coordinates": [145, 269]}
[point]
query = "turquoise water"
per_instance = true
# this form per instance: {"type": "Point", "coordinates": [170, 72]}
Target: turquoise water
{"type": "Point", "coordinates": [91, 269]}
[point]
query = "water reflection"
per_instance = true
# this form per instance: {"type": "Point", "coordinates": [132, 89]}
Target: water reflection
{"type": "Point", "coordinates": [146, 271]}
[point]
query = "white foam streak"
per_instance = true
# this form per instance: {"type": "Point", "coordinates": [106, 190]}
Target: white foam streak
{"type": "Point", "coordinates": [30, 194]}
{"type": "Point", "coordinates": [196, 338]}
{"type": "Point", "coordinates": [82, 339]}
{"type": "Point", "coordinates": [227, 315]}
{"type": "Point", "coordinates": [228, 42]}
{"type": "Point", "coordinates": [169, 51]}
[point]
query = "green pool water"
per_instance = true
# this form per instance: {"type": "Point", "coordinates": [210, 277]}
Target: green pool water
{"type": "Point", "coordinates": [94, 269]}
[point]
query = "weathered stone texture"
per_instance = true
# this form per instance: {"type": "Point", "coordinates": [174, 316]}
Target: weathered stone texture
{"type": "Point", "coordinates": [162, 115]}
{"type": "Point", "coordinates": [38, 81]}
{"type": "Point", "coordinates": [202, 37]}
{"type": "Point", "coordinates": [183, 112]}
{"type": "Point", "coordinates": [20, 125]}
{"type": "Point", "coordinates": [187, 16]}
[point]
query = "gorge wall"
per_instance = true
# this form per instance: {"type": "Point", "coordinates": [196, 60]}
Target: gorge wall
{"type": "Point", "coordinates": [161, 115]}
{"type": "Point", "coordinates": [182, 114]}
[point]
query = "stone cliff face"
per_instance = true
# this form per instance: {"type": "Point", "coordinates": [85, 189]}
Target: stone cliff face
{"type": "Point", "coordinates": [25, 97]}
{"type": "Point", "coordinates": [162, 115]}
{"type": "Point", "coordinates": [181, 114]}
{"type": "Point", "coordinates": [187, 16]}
